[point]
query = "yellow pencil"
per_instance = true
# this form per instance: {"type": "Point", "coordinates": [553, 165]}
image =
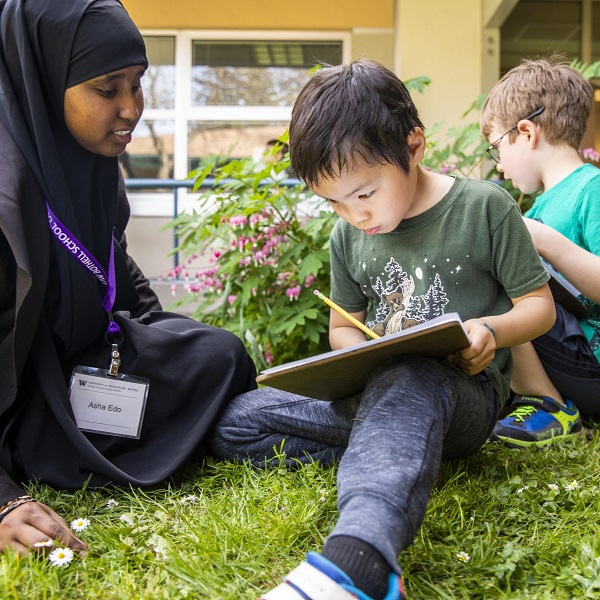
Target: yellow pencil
{"type": "Point", "coordinates": [341, 311]}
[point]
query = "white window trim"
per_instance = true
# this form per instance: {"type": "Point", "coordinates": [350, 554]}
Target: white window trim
{"type": "Point", "coordinates": [153, 204]}
{"type": "Point", "coordinates": [184, 111]}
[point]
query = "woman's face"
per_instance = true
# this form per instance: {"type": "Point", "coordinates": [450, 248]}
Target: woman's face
{"type": "Point", "coordinates": [102, 113]}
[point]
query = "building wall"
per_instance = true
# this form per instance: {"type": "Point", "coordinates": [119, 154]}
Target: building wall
{"type": "Point", "coordinates": [456, 43]}
{"type": "Point", "coordinates": [436, 38]}
{"type": "Point", "coordinates": [261, 14]}
{"type": "Point", "coordinates": [442, 40]}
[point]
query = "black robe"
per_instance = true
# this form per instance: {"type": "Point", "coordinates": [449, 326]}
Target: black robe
{"type": "Point", "coordinates": [51, 318]}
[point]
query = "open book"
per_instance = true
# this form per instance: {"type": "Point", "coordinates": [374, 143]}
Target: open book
{"type": "Point", "coordinates": [565, 293]}
{"type": "Point", "coordinates": [341, 373]}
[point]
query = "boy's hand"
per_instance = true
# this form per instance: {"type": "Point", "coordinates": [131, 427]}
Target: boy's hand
{"type": "Point", "coordinates": [480, 353]}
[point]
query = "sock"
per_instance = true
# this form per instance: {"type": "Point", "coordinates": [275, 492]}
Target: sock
{"type": "Point", "coordinates": [363, 563]}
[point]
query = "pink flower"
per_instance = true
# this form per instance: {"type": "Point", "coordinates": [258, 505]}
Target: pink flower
{"type": "Point", "coordinates": [590, 154]}
{"type": "Point", "coordinates": [259, 256]}
{"type": "Point", "coordinates": [308, 281]}
{"type": "Point", "coordinates": [269, 358]}
{"type": "Point", "coordinates": [231, 298]}
{"type": "Point", "coordinates": [240, 221]}
{"type": "Point", "coordinates": [244, 262]}
{"type": "Point", "coordinates": [293, 292]}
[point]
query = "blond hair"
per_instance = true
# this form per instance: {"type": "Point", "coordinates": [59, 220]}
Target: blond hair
{"type": "Point", "coordinates": [565, 94]}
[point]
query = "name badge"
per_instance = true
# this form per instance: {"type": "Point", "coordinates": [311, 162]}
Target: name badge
{"type": "Point", "coordinates": [108, 404]}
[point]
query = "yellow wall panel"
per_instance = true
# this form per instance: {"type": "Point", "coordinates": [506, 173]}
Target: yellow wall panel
{"type": "Point", "coordinates": [374, 45]}
{"type": "Point", "coordinates": [261, 14]}
{"type": "Point", "coordinates": [443, 41]}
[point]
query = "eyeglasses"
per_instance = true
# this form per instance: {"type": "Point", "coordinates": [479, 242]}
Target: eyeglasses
{"type": "Point", "coordinates": [494, 151]}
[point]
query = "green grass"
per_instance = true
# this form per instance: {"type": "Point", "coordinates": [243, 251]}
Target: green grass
{"type": "Point", "coordinates": [247, 528]}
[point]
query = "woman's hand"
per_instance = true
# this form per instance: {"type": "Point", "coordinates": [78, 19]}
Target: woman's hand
{"type": "Point", "coordinates": [33, 523]}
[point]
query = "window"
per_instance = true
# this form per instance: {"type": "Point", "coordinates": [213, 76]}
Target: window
{"type": "Point", "coordinates": [218, 96]}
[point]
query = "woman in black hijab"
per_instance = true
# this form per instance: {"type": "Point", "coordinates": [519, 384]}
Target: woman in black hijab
{"type": "Point", "coordinates": [77, 316]}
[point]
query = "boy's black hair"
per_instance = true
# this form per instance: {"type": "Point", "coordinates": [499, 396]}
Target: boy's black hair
{"type": "Point", "coordinates": [351, 113]}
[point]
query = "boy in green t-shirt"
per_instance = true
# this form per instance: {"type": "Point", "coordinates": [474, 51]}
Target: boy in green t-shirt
{"type": "Point", "coordinates": [535, 118]}
{"type": "Point", "coordinates": [410, 245]}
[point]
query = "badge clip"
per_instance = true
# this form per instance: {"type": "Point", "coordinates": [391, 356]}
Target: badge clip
{"type": "Point", "coordinates": [115, 361]}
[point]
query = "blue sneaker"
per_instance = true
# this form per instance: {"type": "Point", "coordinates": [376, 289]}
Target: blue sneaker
{"type": "Point", "coordinates": [319, 579]}
{"type": "Point", "coordinates": [538, 421]}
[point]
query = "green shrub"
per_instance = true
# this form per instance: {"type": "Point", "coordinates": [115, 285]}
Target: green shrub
{"type": "Point", "coordinates": [268, 241]}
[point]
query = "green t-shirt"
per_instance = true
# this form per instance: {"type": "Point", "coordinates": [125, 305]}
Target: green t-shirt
{"type": "Point", "coordinates": [572, 207]}
{"type": "Point", "coordinates": [470, 253]}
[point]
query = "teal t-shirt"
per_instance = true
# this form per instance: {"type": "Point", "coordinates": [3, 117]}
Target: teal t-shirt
{"type": "Point", "coordinates": [470, 253]}
{"type": "Point", "coordinates": [572, 207]}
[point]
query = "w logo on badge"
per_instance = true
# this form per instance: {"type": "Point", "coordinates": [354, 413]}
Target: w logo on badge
{"type": "Point", "coordinates": [82, 382]}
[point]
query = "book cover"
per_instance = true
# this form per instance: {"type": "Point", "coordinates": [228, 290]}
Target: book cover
{"type": "Point", "coordinates": [342, 373]}
{"type": "Point", "coordinates": [565, 293]}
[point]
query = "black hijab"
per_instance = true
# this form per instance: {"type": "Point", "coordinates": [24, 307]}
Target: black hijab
{"type": "Point", "coordinates": [47, 46]}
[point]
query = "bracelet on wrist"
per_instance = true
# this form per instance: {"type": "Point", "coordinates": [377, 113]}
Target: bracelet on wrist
{"type": "Point", "coordinates": [14, 503]}
{"type": "Point", "coordinates": [491, 330]}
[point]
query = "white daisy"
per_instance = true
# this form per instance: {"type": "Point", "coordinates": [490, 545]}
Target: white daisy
{"type": "Point", "coordinates": [324, 494]}
{"type": "Point", "coordinates": [189, 500]}
{"type": "Point", "coordinates": [463, 557]}
{"type": "Point", "coordinates": [60, 556]}
{"type": "Point", "coordinates": [112, 504]}
{"type": "Point", "coordinates": [126, 519]}
{"type": "Point", "coordinates": [553, 487]}
{"type": "Point", "coordinates": [572, 486]}
{"type": "Point", "coordinates": [46, 544]}
{"type": "Point", "coordinates": [520, 490]}
{"type": "Point", "coordinates": [79, 524]}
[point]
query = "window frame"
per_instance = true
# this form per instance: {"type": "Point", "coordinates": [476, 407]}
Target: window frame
{"type": "Point", "coordinates": [183, 111]}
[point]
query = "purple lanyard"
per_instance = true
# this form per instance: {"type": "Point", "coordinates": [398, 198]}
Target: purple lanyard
{"type": "Point", "coordinates": [85, 257]}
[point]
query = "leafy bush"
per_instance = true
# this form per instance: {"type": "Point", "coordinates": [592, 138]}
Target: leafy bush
{"type": "Point", "coordinates": [267, 238]}
{"type": "Point", "coordinates": [461, 150]}
{"type": "Point", "coordinates": [268, 242]}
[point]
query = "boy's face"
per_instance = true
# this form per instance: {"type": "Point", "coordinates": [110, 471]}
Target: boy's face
{"type": "Point", "coordinates": [517, 159]}
{"type": "Point", "coordinates": [372, 198]}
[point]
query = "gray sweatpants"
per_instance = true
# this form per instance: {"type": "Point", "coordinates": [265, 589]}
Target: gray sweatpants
{"type": "Point", "coordinates": [390, 441]}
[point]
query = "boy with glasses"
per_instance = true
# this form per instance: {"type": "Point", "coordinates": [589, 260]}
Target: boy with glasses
{"type": "Point", "coordinates": [558, 374]}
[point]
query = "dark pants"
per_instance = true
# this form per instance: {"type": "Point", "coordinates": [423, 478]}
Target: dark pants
{"type": "Point", "coordinates": [570, 363]}
{"type": "Point", "coordinates": [391, 441]}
